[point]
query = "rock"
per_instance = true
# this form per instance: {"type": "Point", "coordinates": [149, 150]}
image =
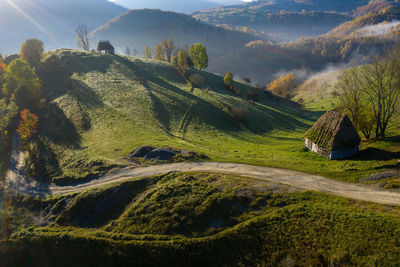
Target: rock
{"type": "Point", "coordinates": [141, 151]}
{"type": "Point", "coordinates": [380, 176]}
{"type": "Point", "coordinates": [160, 154]}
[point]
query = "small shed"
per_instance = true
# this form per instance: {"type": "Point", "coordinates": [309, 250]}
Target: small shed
{"type": "Point", "coordinates": [106, 46]}
{"type": "Point", "coordinates": [333, 136]}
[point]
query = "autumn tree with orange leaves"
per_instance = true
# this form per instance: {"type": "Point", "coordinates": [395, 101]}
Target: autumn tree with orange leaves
{"type": "Point", "coordinates": [28, 126]}
{"type": "Point", "coordinates": [283, 85]}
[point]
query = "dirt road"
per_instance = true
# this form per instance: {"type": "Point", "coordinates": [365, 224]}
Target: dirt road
{"type": "Point", "coordinates": [288, 177]}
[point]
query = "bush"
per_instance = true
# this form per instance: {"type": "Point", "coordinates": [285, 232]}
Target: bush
{"type": "Point", "coordinates": [228, 80]}
{"type": "Point", "coordinates": [236, 90]}
{"type": "Point", "coordinates": [197, 80]}
{"type": "Point", "coordinates": [239, 113]}
{"type": "Point", "coordinates": [252, 96]}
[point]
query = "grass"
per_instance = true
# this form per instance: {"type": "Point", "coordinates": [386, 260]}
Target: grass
{"type": "Point", "coordinates": [110, 105]}
{"type": "Point", "coordinates": [200, 220]}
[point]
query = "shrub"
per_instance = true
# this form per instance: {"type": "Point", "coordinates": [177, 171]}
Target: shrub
{"type": "Point", "coordinates": [236, 90]}
{"type": "Point", "coordinates": [239, 113]}
{"type": "Point", "coordinates": [247, 80]}
{"type": "Point", "coordinates": [252, 96]}
{"type": "Point", "coordinates": [228, 80]}
{"type": "Point", "coordinates": [197, 80]}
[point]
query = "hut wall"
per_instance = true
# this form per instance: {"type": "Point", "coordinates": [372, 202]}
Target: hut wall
{"type": "Point", "coordinates": [316, 149]}
{"type": "Point", "coordinates": [330, 154]}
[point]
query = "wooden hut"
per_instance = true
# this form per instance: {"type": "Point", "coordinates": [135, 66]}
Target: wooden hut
{"type": "Point", "coordinates": [333, 136]}
{"type": "Point", "coordinates": [106, 47]}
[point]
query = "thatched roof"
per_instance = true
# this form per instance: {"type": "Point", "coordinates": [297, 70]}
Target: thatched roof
{"type": "Point", "coordinates": [104, 46]}
{"type": "Point", "coordinates": [334, 131]}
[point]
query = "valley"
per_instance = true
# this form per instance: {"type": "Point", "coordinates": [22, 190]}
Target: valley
{"type": "Point", "coordinates": [199, 133]}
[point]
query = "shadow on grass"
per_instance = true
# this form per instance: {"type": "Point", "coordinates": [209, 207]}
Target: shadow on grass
{"type": "Point", "coordinates": [276, 114]}
{"type": "Point", "coordinates": [372, 153]}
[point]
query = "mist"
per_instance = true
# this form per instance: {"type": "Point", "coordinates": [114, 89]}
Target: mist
{"type": "Point", "coordinates": [378, 29]}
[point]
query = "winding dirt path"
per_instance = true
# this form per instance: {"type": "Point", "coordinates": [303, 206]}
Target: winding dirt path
{"type": "Point", "coordinates": [288, 177]}
{"type": "Point", "coordinates": [16, 181]}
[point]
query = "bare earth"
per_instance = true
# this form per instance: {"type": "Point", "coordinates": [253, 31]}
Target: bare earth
{"type": "Point", "coordinates": [16, 181]}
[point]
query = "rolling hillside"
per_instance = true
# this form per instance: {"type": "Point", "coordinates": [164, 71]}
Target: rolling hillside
{"type": "Point", "coordinates": [102, 107]}
{"type": "Point", "coordinates": [53, 22]}
{"type": "Point", "coordinates": [150, 26]}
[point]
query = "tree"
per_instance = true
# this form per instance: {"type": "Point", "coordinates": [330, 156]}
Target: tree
{"type": "Point", "coordinates": [82, 37]}
{"type": "Point", "coordinates": [169, 47]}
{"type": "Point", "coordinates": [31, 51]}
{"type": "Point", "coordinates": [381, 85]}
{"type": "Point", "coordinates": [228, 80]}
{"type": "Point", "coordinates": [159, 53]}
{"type": "Point", "coordinates": [174, 60]}
{"type": "Point", "coordinates": [349, 95]}
{"type": "Point", "coordinates": [128, 51]}
{"type": "Point", "coordinates": [198, 54]}
{"type": "Point", "coordinates": [28, 125]}
{"type": "Point", "coordinates": [282, 86]}
{"type": "Point", "coordinates": [147, 52]}
{"type": "Point", "coordinates": [7, 113]}
{"type": "Point", "coordinates": [21, 85]}
{"type": "Point", "coordinates": [182, 58]}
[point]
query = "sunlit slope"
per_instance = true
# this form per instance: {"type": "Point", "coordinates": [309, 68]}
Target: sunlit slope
{"type": "Point", "coordinates": [103, 106]}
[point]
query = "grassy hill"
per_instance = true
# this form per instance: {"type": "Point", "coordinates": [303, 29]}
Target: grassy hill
{"type": "Point", "coordinates": [197, 220]}
{"type": "Point", "coordinates": [101, 107]}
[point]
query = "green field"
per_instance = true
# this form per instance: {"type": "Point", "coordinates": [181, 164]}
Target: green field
{"type": "Point", "coordinates": [198, 219]}
{"type": "Point", "coordinates": [102, 107]}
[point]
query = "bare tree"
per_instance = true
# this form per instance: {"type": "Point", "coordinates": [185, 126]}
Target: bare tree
{"type": "Point", "coordinates": [128, 51]}
{"type": "Point", "coordinates": [82, 37]}
{"type": "Point", "coordinates": [381, 84]}
{"type": "Point", "coordinates": [349, 95]}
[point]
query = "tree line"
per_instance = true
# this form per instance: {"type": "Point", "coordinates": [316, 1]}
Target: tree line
{"type": "Point", "coordinates": [21, 95]}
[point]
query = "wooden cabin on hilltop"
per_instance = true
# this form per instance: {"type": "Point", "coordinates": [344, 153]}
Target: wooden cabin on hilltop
{"type": "Point", "coordinates": [106, 47]}
{"type": "Point", "coordinates": [333, 136]}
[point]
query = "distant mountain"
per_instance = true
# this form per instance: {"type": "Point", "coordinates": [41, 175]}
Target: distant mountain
{"type": "Point", "coordinates": [54, 22]}
{"type": "Point", "coordinates": [308, 5]}
{"type": "Point", "coordinates": [286, 26]}
{"type": "Point", "coordinates": [184, 6]}
{"type": "Point", "coordinates": [138, 28]}
{"type": "Point", "coordinates": [286, 20]}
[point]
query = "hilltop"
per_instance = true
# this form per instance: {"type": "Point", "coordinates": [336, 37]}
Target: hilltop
{"type": "Point", "coordinates": [171, 5]}
{"type": "Point", "coordinates": [138, 28]}
{"type": "Point", "coordinates": [54, 22]}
